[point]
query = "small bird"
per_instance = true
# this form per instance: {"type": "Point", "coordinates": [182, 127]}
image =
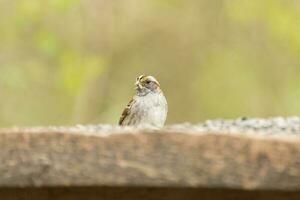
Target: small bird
{"type": "Point", "coordinates": [148, 107]}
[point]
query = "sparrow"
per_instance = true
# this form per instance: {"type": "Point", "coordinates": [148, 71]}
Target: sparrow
{"type": "Point", "coordinates": [148, 107]}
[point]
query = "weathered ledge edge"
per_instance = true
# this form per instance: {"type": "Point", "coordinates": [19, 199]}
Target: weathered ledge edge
{"type": "Point", "coordinates": [161, 158]}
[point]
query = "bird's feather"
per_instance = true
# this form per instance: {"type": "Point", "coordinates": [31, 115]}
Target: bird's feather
{"type": "Point", "coordinates": [125, 112]}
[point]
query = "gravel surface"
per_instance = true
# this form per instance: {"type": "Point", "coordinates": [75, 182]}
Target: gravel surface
{"type": "Point", "coordinates": [269, 126]}
{"type": "Point", "coordinates": [278, 126]}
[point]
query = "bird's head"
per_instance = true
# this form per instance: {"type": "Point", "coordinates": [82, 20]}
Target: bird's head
{"type": "Point", "coordinates": [146, 84]}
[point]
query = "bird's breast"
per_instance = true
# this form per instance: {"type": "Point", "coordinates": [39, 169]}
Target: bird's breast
{"type": "Point", "coordinates": [152, 109]}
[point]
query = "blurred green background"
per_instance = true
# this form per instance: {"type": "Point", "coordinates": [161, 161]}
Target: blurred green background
{"type": "Point", "coordinates": [75, 61]}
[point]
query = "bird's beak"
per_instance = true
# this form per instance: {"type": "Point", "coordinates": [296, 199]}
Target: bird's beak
{"type": "Point", "coordinates": [137, 85]}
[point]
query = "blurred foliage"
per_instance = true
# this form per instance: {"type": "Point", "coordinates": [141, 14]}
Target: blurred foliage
{"type": "Point", "coordinates": [75, 61]}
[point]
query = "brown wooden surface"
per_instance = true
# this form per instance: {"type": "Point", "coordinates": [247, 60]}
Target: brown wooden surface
{"type": "Point", "coordinates": [142, 193]}
{"type": "Point", "coordinates": [46, 159]}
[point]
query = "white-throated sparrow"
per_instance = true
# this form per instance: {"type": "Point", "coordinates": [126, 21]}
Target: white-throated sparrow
{"type": "Point", "coordinates": [148, 106]}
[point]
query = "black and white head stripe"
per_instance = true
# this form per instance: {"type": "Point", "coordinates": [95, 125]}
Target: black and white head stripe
{"type": "Point", "coordinates": [152, 79]}
{"type": "Point", "coordinates": [144, 78]}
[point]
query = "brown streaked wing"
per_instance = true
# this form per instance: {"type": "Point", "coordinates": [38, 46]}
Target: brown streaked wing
{"type": "Point", "coordinates": [125, 112]}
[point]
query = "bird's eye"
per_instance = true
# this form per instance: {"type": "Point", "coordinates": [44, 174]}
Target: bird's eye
{"type": "Point", "coordinates": [148, 82]}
